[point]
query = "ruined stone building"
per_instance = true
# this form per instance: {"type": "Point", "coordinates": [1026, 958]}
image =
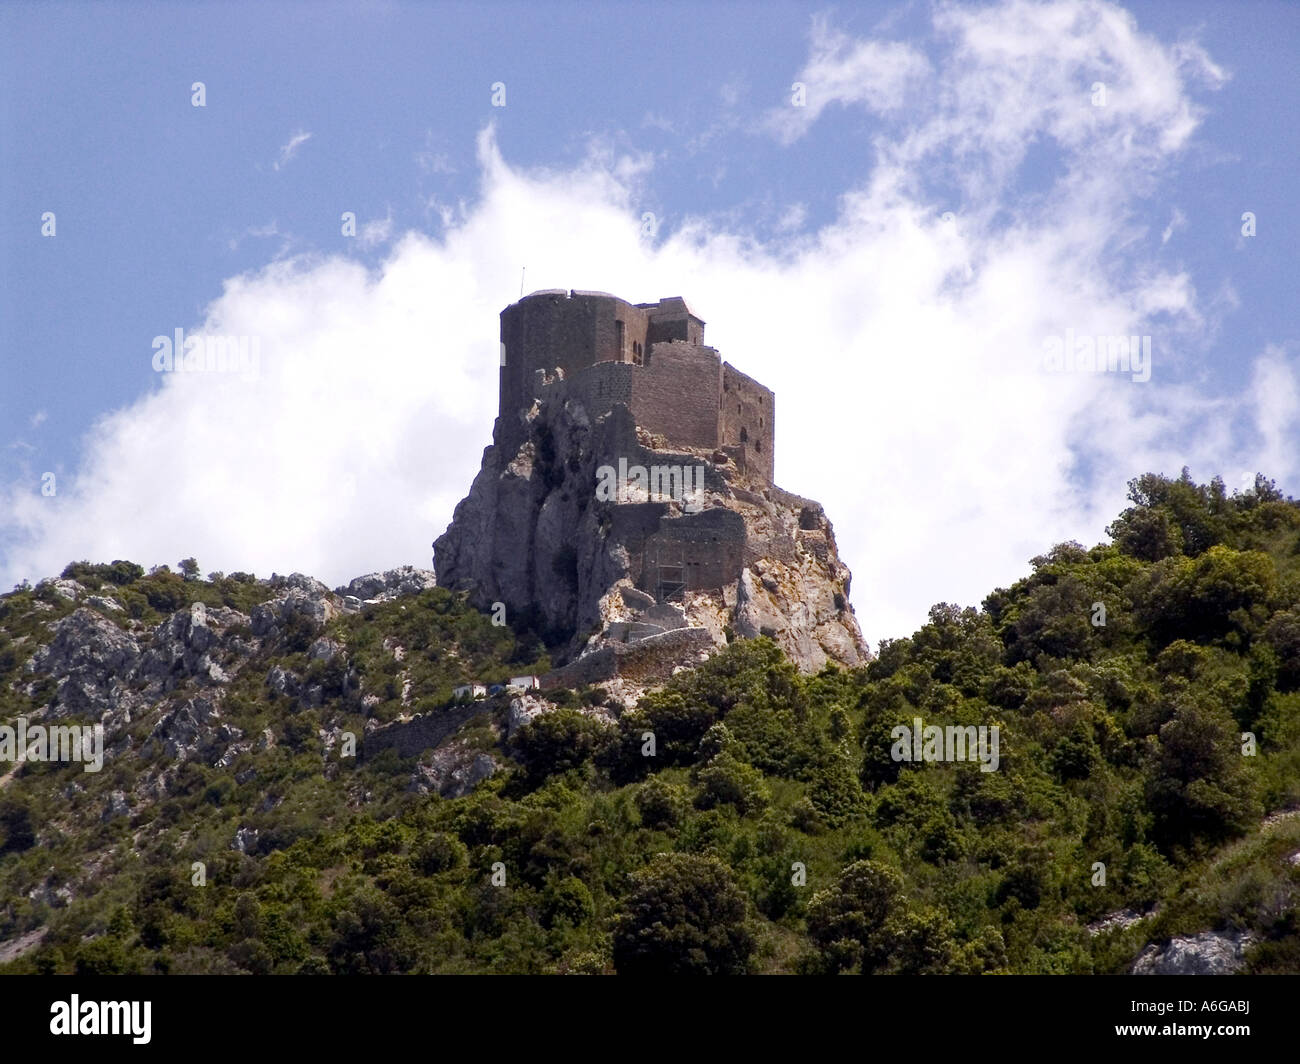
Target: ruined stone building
{"type": "Point", "coordinates": [649, 356]}
{"type": "Point", "coordinates": [588, 380]}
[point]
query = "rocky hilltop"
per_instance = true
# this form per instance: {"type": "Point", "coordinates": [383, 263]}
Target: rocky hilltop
{"type": "Point", "coordinates": [534, 534]}
{"type": "Point", "coordinates": [162, 687]}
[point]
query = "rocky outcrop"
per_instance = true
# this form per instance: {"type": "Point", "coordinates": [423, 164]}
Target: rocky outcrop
{"type": "Point", "coordinates": [105, 668]}
{"type": "Point", "coordinates": [1209, 953]}
{"type": "Point", "coordinates": [315, 606]}
{"type": "Point", "coordinates": [1120, 920]}
{"type": "Point", "coordinates": [386, 586]}
{"type": "Point", "coordinates": [736, 558]}
{"type": "Point", "coordinates": [194, 727]}
{"type": "Point", "coordinates": [92, 661]}
{"type": "Point", "coordinates": [453, 770]}
{"type": "Point", "coordinates": [182, 647]}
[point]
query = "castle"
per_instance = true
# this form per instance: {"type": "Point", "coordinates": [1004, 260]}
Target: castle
{"type": "Point", "coordinates": [635, 584]}
{"type": "Point", "coordinates": [650, 357]}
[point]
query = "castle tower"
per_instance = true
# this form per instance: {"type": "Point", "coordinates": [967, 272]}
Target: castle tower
{"type": "Point", "coordinates": [649, 357]}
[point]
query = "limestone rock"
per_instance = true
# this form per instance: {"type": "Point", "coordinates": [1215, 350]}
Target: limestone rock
{"type": "Point", "coordinates": [117, 806]}
{"type": "Point", "coordinates": [323, 650]}
{"type": "Point", "coordinates": [181, 646]}
{"type": "Point", "coordinates": [193, 727]}
{"type": "Point", "coordinates": [92, 660]}
{"type": "Point", "coordinates": [67, 589]}
{"type": "Point", "coordinates": [283, 682]}
{"type": "Point", "coordinates": [315, 604]}
{"type": "Point", "coordinates": [532, 534]}
{"type": "Point", "coordinates": [1209, 953]}
{"type": "Point", "coordinates": [299, 582]}
{"type": "Point", "coordinates": [453, 771]}
{"type": "Point", "coordinates": [1120, 919]}
{"type": "Point", "coordinates": [383, 587]}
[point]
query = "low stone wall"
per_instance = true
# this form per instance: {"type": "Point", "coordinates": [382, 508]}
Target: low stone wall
{"type": "Point", "coordinates": [649, 660]}
{"type": "Point", "coordinates": [412, 737]}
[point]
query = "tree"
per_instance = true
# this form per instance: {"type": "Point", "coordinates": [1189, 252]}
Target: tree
{"type": "Point", "coordinates": [567, 901]}
{"type": "Point", "coordinates": [848, 921]}
{"type": "Point", "coordinates": [1170, 517]}
{"type": "Point", "coordinates": [16, 831]}
{"type": "Point", "coordinates": [439, 853]}
{"type": "Point", "coordinates": [1199, 789]}
{"type": "Point", "coordinates": [557, 742]}
{"type": "Point", "coordinates": [725, 780]}
{"type": "Point", "coordinates": [105, 955]}
{"type": "Point", "coordinates": [660, 803]}
{"type": "Point", "coordinates": [924, 944]}
{"type": "Point", "coordinates": [684, 916]}
{"type": "Point", "coordinates": [833, 784]}
{"type": "Point", "coordinates": [1223, 594]}
{"type": "Point", "coordinates": [189, 568]}
{"type": "Point", "coordinates": [1283, 635]}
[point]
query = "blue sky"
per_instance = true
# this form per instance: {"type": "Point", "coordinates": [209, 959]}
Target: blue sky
{"type": "Point", "coordinates": [905, 347]}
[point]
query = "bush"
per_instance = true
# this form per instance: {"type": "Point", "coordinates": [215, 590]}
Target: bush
{"type": "Point", "coordinates": [16, 830]}
{"type": "Point", "coordinates": [661, 804]}
{"type": "Point", "coordinates": [728, 781]}
{"type": "Point", "coordinates": [567, 901]}
{"type": "Point", "coordinates": [684, 916]}
{"type": "Point", "coordinates": [440, 853]}
{"type": "Point", "coordinates": [848, 921]}
{"type": "Point", "coordinates": [557, 742]}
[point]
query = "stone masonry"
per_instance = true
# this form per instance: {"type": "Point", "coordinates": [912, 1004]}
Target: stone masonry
{"type": "Point", "coordinates": [590, 383]}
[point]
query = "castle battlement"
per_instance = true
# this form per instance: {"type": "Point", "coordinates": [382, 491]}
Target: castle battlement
{"type": "Point", "coordinates": [649, 357]}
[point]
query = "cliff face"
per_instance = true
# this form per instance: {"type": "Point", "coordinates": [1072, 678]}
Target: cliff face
{"type": "Point", "coordinates": [618, 575]}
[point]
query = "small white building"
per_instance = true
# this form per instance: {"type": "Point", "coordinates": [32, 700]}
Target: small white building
{"type": "Point", "coordinates": [525, 683]}
{"type": "Point", "coordinates": [469, 690]}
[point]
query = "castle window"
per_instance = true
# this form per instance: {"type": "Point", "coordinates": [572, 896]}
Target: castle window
{"type": "Point", "coordinates": [744, 435]}
{"type": "Point", "coordinates": [758, 446]}
{"type": "Point", "coordinates": [618, 340]}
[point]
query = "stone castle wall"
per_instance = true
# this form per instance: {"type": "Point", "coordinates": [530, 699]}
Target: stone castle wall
{"type": "Point", "coordinates": [567, 330]}
{"type": "Point", "coordinates": [675, 394]}
{"type": "Point", "coordinates": [707, 547]}
{"type": "Point", "coordinates": [747, 422]}
{"type": "Point", "coordinates": [650, 660]}
{"type": "Point", "coordinates": [649, 357]}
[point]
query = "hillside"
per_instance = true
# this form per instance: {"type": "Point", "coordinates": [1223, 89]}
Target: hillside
{"type": "Point", "coordinates": [772, 830]}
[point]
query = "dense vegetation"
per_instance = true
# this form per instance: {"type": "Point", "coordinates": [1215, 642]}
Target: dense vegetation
{"type": "Point", "coordinates": [771, 831]}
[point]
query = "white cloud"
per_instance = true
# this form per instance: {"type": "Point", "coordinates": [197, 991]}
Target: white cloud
{"type": "Point", "coordinates": [432, 161]}
{"type": "Point", "coordinates": [733, 91]}
{"type": "Point", "coordinates": [1275, 391]}
{"type": "Point", "coordinates": [875, 74]}
{"type": "Point", "coordinates": [905, 351]}
{"type": "Point", "coordinates": [376, 231]}
{"type": "Point", "coordinates": [793, 217]}
{"type": "Point", "coordinates": [290, 149]}
{"type": "Point", "coordinates": [1177, 220]}
{"type": "Point", "coordinates": [37, 419]}
{"type": "Point", "coordinates": [260, 232]}
{"type": "Point", "coordinates": [659, 122]}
